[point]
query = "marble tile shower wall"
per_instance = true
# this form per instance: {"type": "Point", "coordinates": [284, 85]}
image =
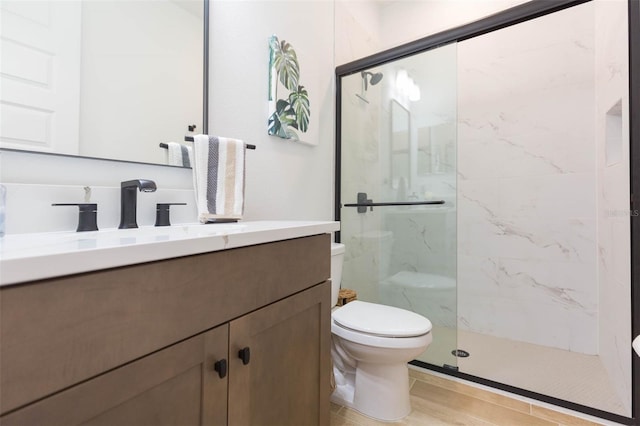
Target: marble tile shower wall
{"type": "Point", "coordinates": [527, 221]}
{"type": "Point", "coordinates": [425, 241]}
{"type": "Point", "coordinates": [612, 136]}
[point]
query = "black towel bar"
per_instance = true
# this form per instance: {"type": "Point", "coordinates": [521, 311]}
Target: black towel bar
{"type": "Point", "coordinates": [364, 202]}
{"type": "Point", "coordinates": [190, 139]}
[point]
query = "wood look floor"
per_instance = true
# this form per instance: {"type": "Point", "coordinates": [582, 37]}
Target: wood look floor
{"type": "Point", "coordinates": [437, 401]}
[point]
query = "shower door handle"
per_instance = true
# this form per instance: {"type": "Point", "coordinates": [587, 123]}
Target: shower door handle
{"type": "Point", "coordinates": [363, 203]}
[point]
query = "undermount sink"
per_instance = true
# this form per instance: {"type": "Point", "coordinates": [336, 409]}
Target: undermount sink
{"type": "Point", "coordinates": [114, 236]}
{"type": "Point", "coordinates": [164, 232]}
{"type": "Point", "coordinates": [158, 233]}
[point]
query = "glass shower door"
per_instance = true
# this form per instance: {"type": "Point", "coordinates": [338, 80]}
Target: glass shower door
{"type": "Point", "coordinates": [398, 190]}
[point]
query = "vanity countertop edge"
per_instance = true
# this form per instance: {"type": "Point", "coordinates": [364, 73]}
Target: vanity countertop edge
{"type": "Point", "coordinates": [85, 252]}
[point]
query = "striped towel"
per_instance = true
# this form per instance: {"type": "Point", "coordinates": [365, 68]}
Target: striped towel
{"type": "Point", "coordinates": [218, 178]}
{"type": "Point", "coordinates": [179, 155]}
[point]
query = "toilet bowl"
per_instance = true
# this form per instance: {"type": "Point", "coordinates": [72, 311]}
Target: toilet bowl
{"type": "Point", "coordinates": [371, 345]}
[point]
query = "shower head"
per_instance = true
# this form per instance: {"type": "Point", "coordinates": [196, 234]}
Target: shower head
{"type": "Point", "coordinates": [375, 78]}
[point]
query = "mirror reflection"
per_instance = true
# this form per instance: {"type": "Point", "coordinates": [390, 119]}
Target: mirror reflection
{"type": "Point", "coordinates": [106, 79]}
{"type": "Point", "coordinates": [400, 144]}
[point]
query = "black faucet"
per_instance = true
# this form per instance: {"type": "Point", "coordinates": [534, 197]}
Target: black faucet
{"type": "Point", "coordinates": [129, 200]}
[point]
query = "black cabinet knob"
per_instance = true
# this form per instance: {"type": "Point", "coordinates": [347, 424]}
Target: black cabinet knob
{"type": "Point", "coordinates": [221, 368]}
{"type": "Point", "coordinates": [245, 355]}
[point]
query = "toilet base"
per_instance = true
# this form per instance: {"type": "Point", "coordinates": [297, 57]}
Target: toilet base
{"type": "Point", "coordinates": [379, 391]}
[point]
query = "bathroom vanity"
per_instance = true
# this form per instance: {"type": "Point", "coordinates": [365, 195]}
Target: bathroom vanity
{"type": "Point", "coordinates": [237, 332]}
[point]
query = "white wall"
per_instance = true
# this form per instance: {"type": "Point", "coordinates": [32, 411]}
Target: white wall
{"type": "Point", "coordinates": [357, 30]}
{"type": "Point", "coordinates": [285, 179]}
{"type": "Point", "coordinates": [367, 27]}
{"type": "Point", "coordinates": [408, 20]}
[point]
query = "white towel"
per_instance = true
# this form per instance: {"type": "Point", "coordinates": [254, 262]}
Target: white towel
{"type": "Point", "coordinates": [179, 155]}
{"type": "Point", "coordinates": [218, 178]}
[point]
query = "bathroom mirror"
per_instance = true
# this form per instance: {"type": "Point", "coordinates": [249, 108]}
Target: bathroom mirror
{"type": "Point", "coordinates": [436, 149]}
{"type": "Point", "coordinates": [400, 144]}
{"type": "Point", "coordinates": [104, 79]}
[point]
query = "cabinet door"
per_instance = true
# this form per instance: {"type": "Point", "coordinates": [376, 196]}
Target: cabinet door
{"type": "Point", "coordinates": [174, 386]}
{"type": "Point", "coordinates": [286, 379]}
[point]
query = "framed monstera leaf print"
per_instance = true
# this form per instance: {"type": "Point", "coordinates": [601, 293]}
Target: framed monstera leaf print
{"type": "Point", "coordinates": [289, 103]}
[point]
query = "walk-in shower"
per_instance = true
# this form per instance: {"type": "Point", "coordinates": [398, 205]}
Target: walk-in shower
{"type": "Point", "coordinates": [484, 183]}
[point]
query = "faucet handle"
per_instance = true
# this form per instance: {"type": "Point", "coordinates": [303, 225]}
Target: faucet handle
{"type": "Point", "coordinates": [88, 215]}
{"type": "Point", "coordinates": [162, 213]}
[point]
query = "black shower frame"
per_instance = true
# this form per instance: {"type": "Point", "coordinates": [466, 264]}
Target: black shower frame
{"type": "Point", "coordinates": [509, 17]}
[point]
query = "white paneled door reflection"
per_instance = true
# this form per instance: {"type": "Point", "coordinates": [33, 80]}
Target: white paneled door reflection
{"type": "Point", "coordinates": [40, 75]}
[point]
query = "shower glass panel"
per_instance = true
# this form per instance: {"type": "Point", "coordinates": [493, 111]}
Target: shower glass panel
{"type": "Point", "coordinates": [398, 148]}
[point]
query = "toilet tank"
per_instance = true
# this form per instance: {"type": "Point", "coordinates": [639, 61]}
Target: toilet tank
{"type": "Point", "coordinates": [337, 260]}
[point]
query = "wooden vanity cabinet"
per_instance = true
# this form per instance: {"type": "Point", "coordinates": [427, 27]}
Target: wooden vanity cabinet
{"type": "Point", "coordinates": [174, 386]}
{"type": "Point", "coordinates": [268, 319]}
{"type": "Point", "coordinates": [289, 369]}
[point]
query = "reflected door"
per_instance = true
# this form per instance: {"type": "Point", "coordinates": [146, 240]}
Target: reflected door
{"type": "Point", "coordinates": [40, 75]}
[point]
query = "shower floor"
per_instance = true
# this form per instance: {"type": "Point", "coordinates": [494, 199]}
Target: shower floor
{"type": "Point", "coordinates": [555, 372]}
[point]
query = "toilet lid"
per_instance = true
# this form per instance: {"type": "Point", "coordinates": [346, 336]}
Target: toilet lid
{"type": "Point", "coordinates": [381, 320]}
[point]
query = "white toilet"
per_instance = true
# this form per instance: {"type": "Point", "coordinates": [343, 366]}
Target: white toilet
{"type": "Point", "coordinates": [371, 345]}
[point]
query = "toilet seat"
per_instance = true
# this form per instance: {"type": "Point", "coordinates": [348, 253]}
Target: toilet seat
{"type": "Point", "coordinates": [381, 326]}
{"type": "Point", "coordinates": [381, 320]}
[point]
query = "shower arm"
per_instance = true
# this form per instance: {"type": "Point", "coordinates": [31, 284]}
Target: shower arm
{"type": "Point", "coordinates": [363, 203]}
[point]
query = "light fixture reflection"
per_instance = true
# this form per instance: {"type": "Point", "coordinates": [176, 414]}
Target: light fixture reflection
{"type": "Point", "coordinates": [406, 86]}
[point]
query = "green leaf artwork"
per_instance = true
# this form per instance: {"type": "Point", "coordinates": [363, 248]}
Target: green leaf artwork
{"type": "Point", "coordinates": [289, 114]}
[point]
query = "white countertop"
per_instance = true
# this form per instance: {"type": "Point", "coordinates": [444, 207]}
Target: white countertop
{"type": "Point", "coordinates": [29, 257]}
